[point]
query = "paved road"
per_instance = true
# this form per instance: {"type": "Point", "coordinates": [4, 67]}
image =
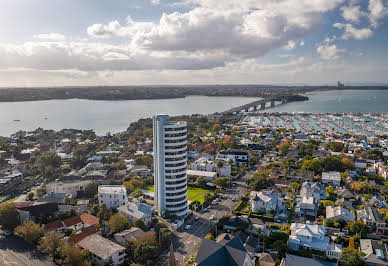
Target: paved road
{"type": "Point", "coordinates": [186, 243]}
{"type": "Point", "coordinates": [15, 252]}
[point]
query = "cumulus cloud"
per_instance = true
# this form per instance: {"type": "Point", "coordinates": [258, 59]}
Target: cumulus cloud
{"type": "Point", "coordinates": [237, 29]}
{"type": "Point", "coordinates": [352, 32]}
{"type": "Point", "coordinates": [50, 36]}
{"type": "Point", "coordinates": [328, 51]}
{"type": "Point", "coordinates": [155, 2]}
{"type": "Point", "coordinates": [352, 13]}
{"type": "Point", "coordinates": [290, 45]}
{"type": "Point", "coordinates": [377, 11]}
{"type": "Point", "coordinates": [301, 43]}
{"type": "Point", "coordinates": [95, 57]}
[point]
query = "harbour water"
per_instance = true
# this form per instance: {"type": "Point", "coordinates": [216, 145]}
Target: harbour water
{"type": "Point", "coordinates": [103, 116]}
{"type": "Point", "coordinates": [115, 116]}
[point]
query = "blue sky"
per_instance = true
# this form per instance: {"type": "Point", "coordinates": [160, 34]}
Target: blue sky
{"type": "Point", "coordinates": [149, 42]}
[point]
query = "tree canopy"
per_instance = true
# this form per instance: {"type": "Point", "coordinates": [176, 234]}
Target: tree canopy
{"type": "Point", "coordinates": [9, 216]}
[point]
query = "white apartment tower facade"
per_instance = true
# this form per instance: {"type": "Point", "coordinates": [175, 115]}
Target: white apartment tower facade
{"type": "Point", "coordinates": [170, 163]}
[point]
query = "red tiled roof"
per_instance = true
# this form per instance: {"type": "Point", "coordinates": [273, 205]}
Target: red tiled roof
{"type": "Point", "coordinates": [84, 233]}
{"type": "Point", "coordinates": [53, 226]}
{"type": "Point", "coordinates": [22, 204]}
{"type": "Point", "coordinates": [89, 219]}
{"type": "Point", "coordinates": [72, 221]}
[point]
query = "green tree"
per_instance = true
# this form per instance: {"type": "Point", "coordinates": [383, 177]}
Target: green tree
{"type": "Point", "coordinates": [133, 184]}
{"type": "Point", "coordinates": [143, 160]}
{"type": "Point", "coordinates": [139, 223]}
{"type": "Point", "coordinates": [223, 182]}
{"type": "Point", "coordinates": [144, 252]}
{"type": "Point", "coordinates": [52, 244]}
{"type": "Point", "coordinates": [118, 223]}
{"type": "Point", "coordinates": [137, 193]}
{"type": "Point", "coordinates": [165, 237]}
{"type": "Point", "coordinates": [48, 164]}
{"type": "Point", "coordinates": [359, 228]}
{"type": "Point", "coordinates": [41, 191]}
{"type": "Point", "coordinates": [331, 163]}
{"type": "Point", "coordinates": [352, 257]}
{"type": "Point", "coordinates": [336, 146]}
{"type": "Point", "coordinates": [200, 182]}
{"type": "Point", "coordinates": [258, 181]}
{"type": "Point", "coordinates": [284, 147]}
{"type": "Point", "coordinates": [312, 165]}
{"type": "Point", "coordinates": [91, 190]}
{"type": "Point", "coordinates": [30, 196]}
{"type": "Point", "coordinates": [73, 256]}
{"type": "Point", "coordinates": [30, 231]}
{"type": "Point", "coordinates": [9, 216]}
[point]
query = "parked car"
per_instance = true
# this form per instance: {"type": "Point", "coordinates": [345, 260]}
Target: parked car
{"type": "Point", "coordinates": [187, 226]}
{"type": "Point", "coordinates": [213, 217]}
{"type": "Point", "coordinates": [197, 218]}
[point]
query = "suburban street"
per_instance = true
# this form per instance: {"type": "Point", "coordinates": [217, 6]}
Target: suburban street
{"type": "Point", "coordinates": [187, 242]}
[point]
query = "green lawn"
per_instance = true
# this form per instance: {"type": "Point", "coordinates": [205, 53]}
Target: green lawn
{"type": "Point", "coordinates": [2, 197]}
{"type": "Point", "coordinates": [192, 193]}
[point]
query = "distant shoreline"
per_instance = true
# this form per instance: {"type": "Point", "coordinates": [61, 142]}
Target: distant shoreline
{"type": "Point", "coordinates": [120, 93]}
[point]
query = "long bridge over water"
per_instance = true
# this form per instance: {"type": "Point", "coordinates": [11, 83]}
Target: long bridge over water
{"type": "Point", "coordinates": [262, 103]}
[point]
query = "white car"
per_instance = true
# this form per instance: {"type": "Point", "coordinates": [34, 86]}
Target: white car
{"type": "Point", "coordinates": [213, 217]}
{"type": "Point", "coordinates": [187, 227]}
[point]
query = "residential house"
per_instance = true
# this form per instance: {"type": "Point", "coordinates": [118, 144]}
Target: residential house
{"type": "Point", "coordinates": [344, 193]}
{"type": "Point", "coordinates": [123, 238]}
{"type": "Point", "coordinates": [294, 260]}
{"type": "Point", "coordinates": [308, 236]}
{"type": "Point", "coordinates": [75, 223]}
{"type": "Point", "coordinates": [331, 178]}
{"type": "Point", "coordinates": [230, 252]}
{"type": "Point", "coordinates": [238, 157]}
{"type": "Point", "coordinates": [376, 253]}
{"type": "Point", "coordinates": [265, 202]}
{"type": "Point", "coordinates": [28, 211]}
{"type": "Point", "coordinates": [113, 196]}
{"type": "Point", "coordinates": [340, 213]}
{"type": "Point", "coordinates": [307, 202]}
{"type": "Point", "coordinates": [204, 164]}
{"type": "Point", "coordinates": [68, 187]}
{"type": "Point", "coordinates": [373, 219]}
{"type": "Point", "coordinates": [133, 212]}
{"type": "Point", "coordinates": [102, 250]}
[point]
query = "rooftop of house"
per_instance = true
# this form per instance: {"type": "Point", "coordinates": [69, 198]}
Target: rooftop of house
{"type": "Point", "coordinates": [375, 251]}
{"type": "Point", "coordinates": [130, 234]}
{"type": "Point", "coordinates": [294, 260]}
{"type": "Point", "coordinates": [137, 211]}
{"type": "Point", "coordinates": [112, 189]}
{"type": "Point", "coordinates": [331, 176]}
{"type": "Point", "coordinates": [100, 246]}
{"type": "Point", "coordinates": [214, 253]}
{"type": "Point", "coordinates": [332, 211]}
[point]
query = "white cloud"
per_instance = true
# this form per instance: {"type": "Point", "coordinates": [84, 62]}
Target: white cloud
{"type": "Point", "coordinates": [50, 36]}
{"type": "Point", "coordinates": [329, 51]}
{"type": "Point", "coordinates": [290, 45]}
{"type": "Point", "coordinates": [352, 13]}
{"type": "Point", "coordinates": [155, 2]}
{"type": "Point", "coordinates": [234, 29]}
{"type": "Point", "coordinates": [377, 11]}
{"type": "Point", "coordinates": [352, 32]}
{"type": "Point", "coordinates": [301, 43]}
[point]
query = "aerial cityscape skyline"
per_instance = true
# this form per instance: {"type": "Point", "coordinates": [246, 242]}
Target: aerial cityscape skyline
{"type": "Point", "coordinates": [184, 42]}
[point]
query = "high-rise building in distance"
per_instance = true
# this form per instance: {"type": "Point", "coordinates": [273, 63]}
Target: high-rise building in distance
{"type": "Point", "coordinates": [170, 163]}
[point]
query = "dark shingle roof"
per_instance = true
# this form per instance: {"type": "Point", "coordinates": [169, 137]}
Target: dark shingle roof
{"type": "Point", "coordinates": [213, 253]}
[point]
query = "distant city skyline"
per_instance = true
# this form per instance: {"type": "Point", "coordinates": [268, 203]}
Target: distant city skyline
{"type": "Point", "coordinates": [184, 42]}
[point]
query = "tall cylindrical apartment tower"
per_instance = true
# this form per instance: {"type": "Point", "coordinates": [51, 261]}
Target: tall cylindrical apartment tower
{"type": "Point", "coordinates": [170, 163]}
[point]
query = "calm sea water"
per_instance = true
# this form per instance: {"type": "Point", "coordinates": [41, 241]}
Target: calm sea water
{"type": "Point", "coordinates": [115, 116]}
{"type": "Point", "coordinates": [103, 116]}
{"type": "Point", "coordinates": [363, 101]}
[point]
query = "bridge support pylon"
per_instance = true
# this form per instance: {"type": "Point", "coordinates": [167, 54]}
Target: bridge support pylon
{"type": "Point", "coordinates": [262, 106]}
{"type": "Point", "coordinates": [272, 103]}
